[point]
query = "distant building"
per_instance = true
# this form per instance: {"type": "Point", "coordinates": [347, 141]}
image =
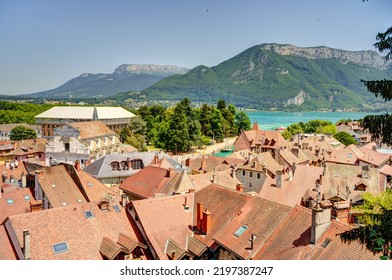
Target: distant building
{"type": "Point", "coordinates": [5, 129]}
{"type": "Point", "coordinates": [116, 118]}
{"type": "Point", "coordinates": [84, 141]}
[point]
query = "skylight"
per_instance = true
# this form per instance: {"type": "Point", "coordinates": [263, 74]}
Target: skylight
{"type": "Point", "coordinates": [116, 208]}
{"type": "Point", "coordinates": [60, 247]}
{"type": "Point", "coordinates": [27, 197]}
{"type": "Point", "coordinates": [88, 214]}
{"type": "Point", "coordinates": [326, 242]}
{"type": "Point", "coordinates": [10, 201]}
{"type": "Point", "coordinates": [241, 230]}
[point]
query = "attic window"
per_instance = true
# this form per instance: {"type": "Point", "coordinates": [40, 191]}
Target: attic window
{"type": "Point", "coordinates": [326, 242]}
{"type": "Point", "coordinates": [88, 214]}
{"type": "Point", "coordinates": [60, 247]}
{"type": "Point", "coordinates": [10, 201]}
{"type": "Point", "coordinates": [241, 230]}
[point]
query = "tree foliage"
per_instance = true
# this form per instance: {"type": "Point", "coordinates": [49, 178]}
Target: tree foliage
{"type": "Point", "coordinates": [376, 234]}
{"type": "Point", "coordinates": [380, 125]}
{"type": "Point", "coordinates": [22, 133]}
{"type": "Point", "coordinates": [345, 138]}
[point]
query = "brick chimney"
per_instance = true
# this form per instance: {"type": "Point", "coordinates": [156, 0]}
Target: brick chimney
{"type": "Point", "coordinates": [23, 180]}
{"type": "Point", "coordinates": [199, 215]}
{"type": "Point", "coordinates": [26, 244]}
{"type": "Point", "coordinates": [206, 224]}
{"type": "Point", "coordinates": [156, 159]}
{"type": "Point", "coordinates": [187, 161]}
{"type": "Point", "coordinates": [77, 165]}
{"type": "Point", "coordinates": [239, 187]}
{"type": "Point", "coordinates": [170, 172]}
{"type": "Point", "coordinates": [124, 200]}
{"type": "Point", "coordinates": [36, 205]}
{"type": "Point", "coordinates": [321, 217]}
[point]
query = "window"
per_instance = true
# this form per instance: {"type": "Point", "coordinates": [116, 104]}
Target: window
{"type": "Point", "coordinates": [88, 214]}
{"type": "Point", "coordinates": [258, 176]}
{"type": "Point", "coordinates": [243, 172]}
{"type": "Point", "coordinates": [60, 247]}
{"type": "Point", "coordinates": [10, 201]}
{"type": "Point", "coordinates": [115, 166]}
{"type": "Point", "coordinates": [250, 184]}
{"type": "Point", "coordinates": [66, 147]}
{"type": "Point", "coordinates": [241, 230]}
{"type": "Point", "coordinates": [250, 174]}
{"type": "Point", "coordinates": [326, 242]}
{"type": "Point", "coordinates": [27, 197]}
{"type": "Point", "coordinates": [137, 164]}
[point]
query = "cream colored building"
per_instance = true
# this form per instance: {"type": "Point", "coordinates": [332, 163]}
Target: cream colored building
{"type": "Point", "coordinates": [115, 118]}
{"type": "Point", "coordinates": [83, 141]}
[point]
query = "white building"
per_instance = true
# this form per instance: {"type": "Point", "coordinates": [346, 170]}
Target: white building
{"type": "Point", "coordinates": [84, 141]}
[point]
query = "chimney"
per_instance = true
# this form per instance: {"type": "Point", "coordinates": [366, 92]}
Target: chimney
{"type": "Point", "coordinates": [77, 165]}
{"type": "Point", "coordinates": [23, 180]}
{"type": "Point", "coordinates": [320, 180]}
{"type": "Point", "coordinates": [170, 172]}
{"type": "Point", "coordinates": [35, 205]}
{"type": "Point", "coordinates": [124, 200]}
{"type": "Point", "coordinates": [156, 159]}
{"type": "Point", "coordinates": [321, 217]}
{"type": "Point", "coordinates": [239, 187]}
{"type": "Point", "coordinates": [203, 165]}
{"type": "Point", "coordinates": [26, 244]}
{"type": "Point", "coordinates": [7, 165]}
{"type": "Point", "coordinates": [232, 170]}
{"type": "Point", "coordinates": [206, 224]}
{"type": "Point", "coordinates": [199, 215]}
{"type": "Point", "coordinates": [279, 179]}
{"type": "Point", "coordinates": [365, 172]}
{"type": "Point", "coordinates": [252, 239]}
{"type": "Point", "coordinates": [322, 138]}
{"type": "Point", "coordinates": [191, 190]}
{"type": "Point", "coordinates": [3, 177]}
{"type": "Point", "coordinates": [187, 161]}
{"type": "Point", "coordinates": [374, 148]}
{"type": "Point", "coordinates": [249, 157]}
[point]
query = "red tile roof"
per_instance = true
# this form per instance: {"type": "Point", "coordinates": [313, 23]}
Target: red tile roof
{"type": "Point", "coordinates": [6, 250]}
{"type": "Point", "coordinates": [14, 201]}
{"type": "Point", "coordinates": [291, 241]}
{"type": "Point", "coordinates": [148, 181]}
{"type": "Point", "coordinates": [59, 187]}
{"type": "Point", "coordinates": [69, 224]}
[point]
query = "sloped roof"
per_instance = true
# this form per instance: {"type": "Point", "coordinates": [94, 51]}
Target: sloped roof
{"type": "Point", "coordinates": [92, 129]}
{"type": "Point", "coordinates": [147, 182]}
{"type": "Point", "coordinates": [59, 187]}
{"type": "Point", "coordinates": [84, 113]}
{"type": "Point", "coordinates": [348, 155]}
{"type": "Point", "coordinates": [166, 218]}
{"type": "Point", "coordinates": [8, 127]}
{"type": "Point", "coordinates": [373, 157]}
{"type": "Point", "coordinates": [6, 250]}
{"type": "Point", "coordinates": [222, 178]}
{"type": "Point", "coordinates": [110, 249]}
{"type": "Point", "coordinates": [15, 200]}
{"type": "Point", "coordinates": [69, 224]}
{"type": "Point", "coordinates": [291, 192]}
{"type": "Point", "coordinates": [291, 241]}
{"type": "Point", "coordinates": [261, 226]}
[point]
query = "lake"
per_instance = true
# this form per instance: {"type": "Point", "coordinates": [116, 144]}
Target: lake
{"type": "Point", "coordinates": [272, 120]}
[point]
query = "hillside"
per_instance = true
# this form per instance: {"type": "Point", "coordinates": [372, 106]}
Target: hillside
{"type": "Point", "coordinates": [272, 76]}
{"type": "Point", "coordinates": [126, 77]}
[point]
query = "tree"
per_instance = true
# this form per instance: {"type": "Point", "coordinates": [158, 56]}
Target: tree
{"type": "Point", "coordinates": [22, 133]}
{"type": "Point", "coordinates": [345, 138]}
{"type": "Point", "coordinates": [242, 122]}
{"type": "Point", "coordinates": [380, 126]}
{"type": "Point", "coordinates": [376, 234]}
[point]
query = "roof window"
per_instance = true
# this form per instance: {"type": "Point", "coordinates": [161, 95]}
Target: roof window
{"type": "Point", "coordinates": [27, 197]}
{"type": "Point", "coordinates": [241, 230]}
{"type": "Point", "coordinates": [116, 208]}
{"type": "Point", "coordinates": [60, 247]}
{"type": "Point", "coordinates": [10, 201]}
{"type": "Point", "coordinates": [326, 242]}
{"type": "Point", "coordinates": [88, 214]}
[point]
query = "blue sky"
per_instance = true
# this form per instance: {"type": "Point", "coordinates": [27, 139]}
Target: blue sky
{"type": "Point", "coordinates": [44, 43]}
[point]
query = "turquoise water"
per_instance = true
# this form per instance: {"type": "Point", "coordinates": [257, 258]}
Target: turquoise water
{"type": "Point", "coordinates": [229, 151]}
{"type": "Point", "coordinates": [272, 120]}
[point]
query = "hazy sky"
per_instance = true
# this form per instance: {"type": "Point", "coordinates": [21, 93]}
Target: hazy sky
{"type": "Point", "coordinates": [44, 43]}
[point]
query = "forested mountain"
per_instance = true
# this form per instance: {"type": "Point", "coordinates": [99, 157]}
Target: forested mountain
{"type": "Point", "coordinates": [278, 76]}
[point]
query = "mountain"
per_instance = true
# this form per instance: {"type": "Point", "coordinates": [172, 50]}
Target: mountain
{"type": "Point", "coordinates": [126, 77]}
{"type": "Point", "coordinates": [272, 76]}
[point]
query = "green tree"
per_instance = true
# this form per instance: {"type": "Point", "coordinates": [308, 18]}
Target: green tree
{"type": "Point", "coordinates": [345, 138]}
{"type": "Point", "coordinates": [242, 122]}
{"type": "Point", "coordinates": [22, 133]}
{"type": "Point", "coordinates": [376, 233]}
{"type": "Point", "coordinates": [380, 126]}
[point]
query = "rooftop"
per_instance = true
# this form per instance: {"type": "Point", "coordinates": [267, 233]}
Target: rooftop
{"type": "Point", "coordinates": [85, 113]}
